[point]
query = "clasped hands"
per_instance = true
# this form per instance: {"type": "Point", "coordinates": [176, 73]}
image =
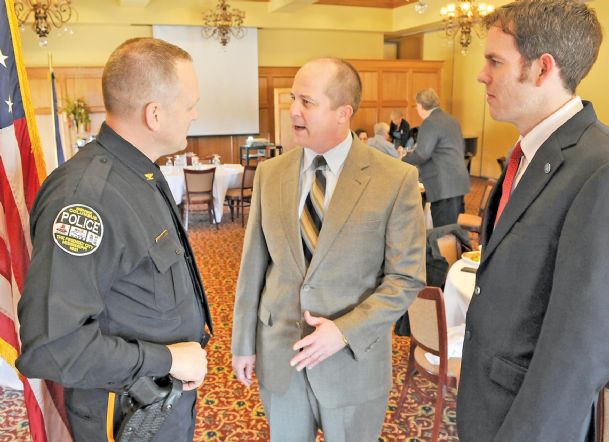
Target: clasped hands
{"type": "Point", "coordinates": [326, 340]}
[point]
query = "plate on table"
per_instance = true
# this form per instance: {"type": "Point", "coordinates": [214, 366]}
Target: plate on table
{"type": "Point", "coordinates": [472, 258]}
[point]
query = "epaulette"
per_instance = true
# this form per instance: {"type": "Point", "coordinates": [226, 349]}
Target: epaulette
{"type": "Point", "coordinates": [95, 177]}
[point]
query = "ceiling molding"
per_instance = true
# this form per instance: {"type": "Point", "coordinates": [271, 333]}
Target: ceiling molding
{"type": "Point", "coordinates": [133, 3]}
{"type": "Point", "coordinates": [288, 5]}
{"type": "Point", "coordinates": [390, 4]}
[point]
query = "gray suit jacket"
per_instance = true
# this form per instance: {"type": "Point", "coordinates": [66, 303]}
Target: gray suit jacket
{"type": "Point", "coordinates": [439, 154]}
{"type": "Point", "coordinates": [382, 145]}
{"type": "Point", "coordinates": [367, 268]}
{"type": "Point", "coordinates": [535, 353]}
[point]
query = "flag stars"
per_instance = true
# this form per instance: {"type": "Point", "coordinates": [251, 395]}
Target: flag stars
{"type": "Point", "coordinates": [10, 104]}
{"type": "Point", "coordinates": [3, 58]}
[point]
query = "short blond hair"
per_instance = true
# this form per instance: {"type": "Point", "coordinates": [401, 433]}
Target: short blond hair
{"type": "Point", "coordinates": [139, 71]}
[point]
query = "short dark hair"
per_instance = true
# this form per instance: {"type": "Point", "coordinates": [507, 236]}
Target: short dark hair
{"type": "Point", "coordinates": [139, 71]}
{"type": "Point", "coordinates": [566, 29]}
{"type": "Point", "coordinates": [346, 85]}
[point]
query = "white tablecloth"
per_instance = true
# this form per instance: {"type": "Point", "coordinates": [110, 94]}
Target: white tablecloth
{"type": "Point", "coordinates": [458, 292]}
{"type": "Point", "coordinates": [227, 176]}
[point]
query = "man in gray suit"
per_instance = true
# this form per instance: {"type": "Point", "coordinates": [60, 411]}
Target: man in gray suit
{"type": "Point", "coordinates": [535, 353]}
{"type": "Point", "coordinates": [315, 303]}
{"type": "Point", "coordinates": [439, 153]}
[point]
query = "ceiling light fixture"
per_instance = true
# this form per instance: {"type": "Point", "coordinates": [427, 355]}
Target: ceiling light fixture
{"type": "Point", "coordinates": [46, 13]}
{"type": "Point", "coordinates": [463, 17]}
{"type": "Point", "coordinates": [420, 7]}
{"type": "Point", "coordinates": [223, 22]}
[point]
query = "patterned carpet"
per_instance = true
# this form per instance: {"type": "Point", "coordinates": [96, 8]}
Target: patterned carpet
{"type": "Point", "coordinates": [229, 412]}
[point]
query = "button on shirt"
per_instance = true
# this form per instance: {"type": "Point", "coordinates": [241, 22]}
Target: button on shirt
{"type": "Point", "coordinates": [335, 158]}
{"type": "Point", "coordinates": [531, 142]}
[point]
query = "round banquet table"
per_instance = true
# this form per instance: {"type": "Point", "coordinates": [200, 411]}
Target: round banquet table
{"type": "Point", "coordinates": [227, 176]}
{"type": "Point", "coordinates": [458, 292]}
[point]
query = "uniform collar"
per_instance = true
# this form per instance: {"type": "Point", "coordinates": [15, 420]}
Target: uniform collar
{"type": "Point", "coordinates": [128, 154]}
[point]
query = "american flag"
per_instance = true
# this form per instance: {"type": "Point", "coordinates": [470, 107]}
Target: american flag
{"type": "Point", "coordinates": [21, 171]}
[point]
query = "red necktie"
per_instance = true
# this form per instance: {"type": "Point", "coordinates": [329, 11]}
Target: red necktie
{"type": "Point", "coordinates": [508, 181]}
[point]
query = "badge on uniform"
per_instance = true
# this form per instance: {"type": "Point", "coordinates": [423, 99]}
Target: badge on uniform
{"type": "Point", "coordinates": [78, 230]}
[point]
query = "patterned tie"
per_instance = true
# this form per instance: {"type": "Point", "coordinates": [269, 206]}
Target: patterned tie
{"type": "Point", "coordinates": [313, 210]}
{"type": "Point", "coordinates": [508, 181]}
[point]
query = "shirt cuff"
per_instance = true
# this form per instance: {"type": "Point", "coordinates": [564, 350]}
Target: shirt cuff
{"type": "Point", "coordinates": [157, 360]}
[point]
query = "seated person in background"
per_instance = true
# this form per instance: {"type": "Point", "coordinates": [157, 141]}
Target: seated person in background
{"type": "Point", "coordinates": [439, 154]}
{"type": "Point", "coordinates": [399, 130]}
{"type": "Point", "coordinates": [362, 135]}
{"type": "Point", "coordinates": [381, 142]}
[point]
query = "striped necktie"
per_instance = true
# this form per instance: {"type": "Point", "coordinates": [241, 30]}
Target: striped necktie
{"type": "Point", "coordinates": [313, 211]}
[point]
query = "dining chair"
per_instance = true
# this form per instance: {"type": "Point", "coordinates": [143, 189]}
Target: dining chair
{"type": "Point", "coordinates": [473, 222]}
{"type": "Point", "coordinates": [429, 335]}
{"type": "Point", "coordinates": [241, 197]}
{"type": "Point", "coordinates": [199, 194]}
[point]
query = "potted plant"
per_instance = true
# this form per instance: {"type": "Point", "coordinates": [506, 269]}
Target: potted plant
{"type": "Point", "coordinates": [78, 114]}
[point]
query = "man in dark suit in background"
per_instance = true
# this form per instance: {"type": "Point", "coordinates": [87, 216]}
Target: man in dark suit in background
{"type": "Point", "coordinates": [439, 154]}
{"type": "Point", "coordinates": [535, 353]}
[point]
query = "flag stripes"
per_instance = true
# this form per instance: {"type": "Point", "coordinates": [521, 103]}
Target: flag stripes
{"type": "Point", "coordinates": [22, 169]}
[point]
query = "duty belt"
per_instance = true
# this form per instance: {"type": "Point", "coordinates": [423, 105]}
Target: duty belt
{"type": "Point", "coordinates": [147, 404]}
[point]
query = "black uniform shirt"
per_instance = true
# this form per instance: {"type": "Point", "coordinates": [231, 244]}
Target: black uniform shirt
{"type": "Point", "coordinates": [109, 282]}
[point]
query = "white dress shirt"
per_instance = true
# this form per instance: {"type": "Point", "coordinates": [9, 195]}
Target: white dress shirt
{"type": "Point", "coordinates": [532, 141]}
{"type": "Point", "coordinates": [335, 158]}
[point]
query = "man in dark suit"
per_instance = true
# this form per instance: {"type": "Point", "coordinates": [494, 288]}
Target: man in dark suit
{"type": "Point", "coordinates": [535, 353]}
{"type": "Point", "coordinates": [439, 153]}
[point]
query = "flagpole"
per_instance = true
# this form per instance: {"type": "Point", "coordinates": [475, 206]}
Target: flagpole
{"type": "Point", "coordinates": [53, 110]}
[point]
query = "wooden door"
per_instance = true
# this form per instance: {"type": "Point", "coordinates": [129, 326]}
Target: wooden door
{"type": "Point", "coordinates": [283, 122]}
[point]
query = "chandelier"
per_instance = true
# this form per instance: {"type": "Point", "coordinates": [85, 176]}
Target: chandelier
{"type": "Point", "coordinates": [223, 22]}
{"type": "Point", "coordinates": [46, 13]}
{"type": "Point", "coordinates": [420, 7]}
{"type": "Point", "coordinates": [462, 18]}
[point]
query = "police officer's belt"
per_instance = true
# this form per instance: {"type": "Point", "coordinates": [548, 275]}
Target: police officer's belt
{"type": "Point", "coordinates": [147, 404]}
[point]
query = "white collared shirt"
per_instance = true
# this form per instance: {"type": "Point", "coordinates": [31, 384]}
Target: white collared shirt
{"type": "Point", "coordinates": [532, 141]}
{"type": "Point", "coordinates": [335, 158]}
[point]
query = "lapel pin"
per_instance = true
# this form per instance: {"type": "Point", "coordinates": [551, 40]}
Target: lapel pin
{"type": "Point", "coordinates": [149, 176]}
{"type": "Point", "coordinates": [547, 168]}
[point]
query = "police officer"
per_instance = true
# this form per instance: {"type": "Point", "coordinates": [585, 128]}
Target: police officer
{"type": "Point", "coordinates": [113, 293]}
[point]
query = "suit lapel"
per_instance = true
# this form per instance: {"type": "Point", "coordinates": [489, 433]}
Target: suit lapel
{"type": "Point", "coordinates": [530, 186]}
{"type": "Point", "coordinates": [349, 188]}
{"type": "Point", "coordinates": [289, 196]}
{"type": "Point", "coordinates": [534, 179]}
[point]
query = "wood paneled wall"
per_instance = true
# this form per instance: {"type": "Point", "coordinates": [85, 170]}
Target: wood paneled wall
{"type": "Point", "coordinates": [387, 85]}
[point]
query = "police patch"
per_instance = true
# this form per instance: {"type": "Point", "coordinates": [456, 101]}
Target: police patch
{"type": "Point", "coordinates": [78, 230]}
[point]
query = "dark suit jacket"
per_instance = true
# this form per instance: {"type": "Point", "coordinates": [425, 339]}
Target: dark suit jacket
{"type": "Point", "coordinates": [404, 133]}
{"type": "Point", "coordinates": [536, 353]}
{"type": "Point", "coordinates": [439, 154]}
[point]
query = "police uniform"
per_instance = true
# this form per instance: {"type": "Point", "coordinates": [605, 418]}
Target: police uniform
{"type": "Point", "coordinates": [112, 281]}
